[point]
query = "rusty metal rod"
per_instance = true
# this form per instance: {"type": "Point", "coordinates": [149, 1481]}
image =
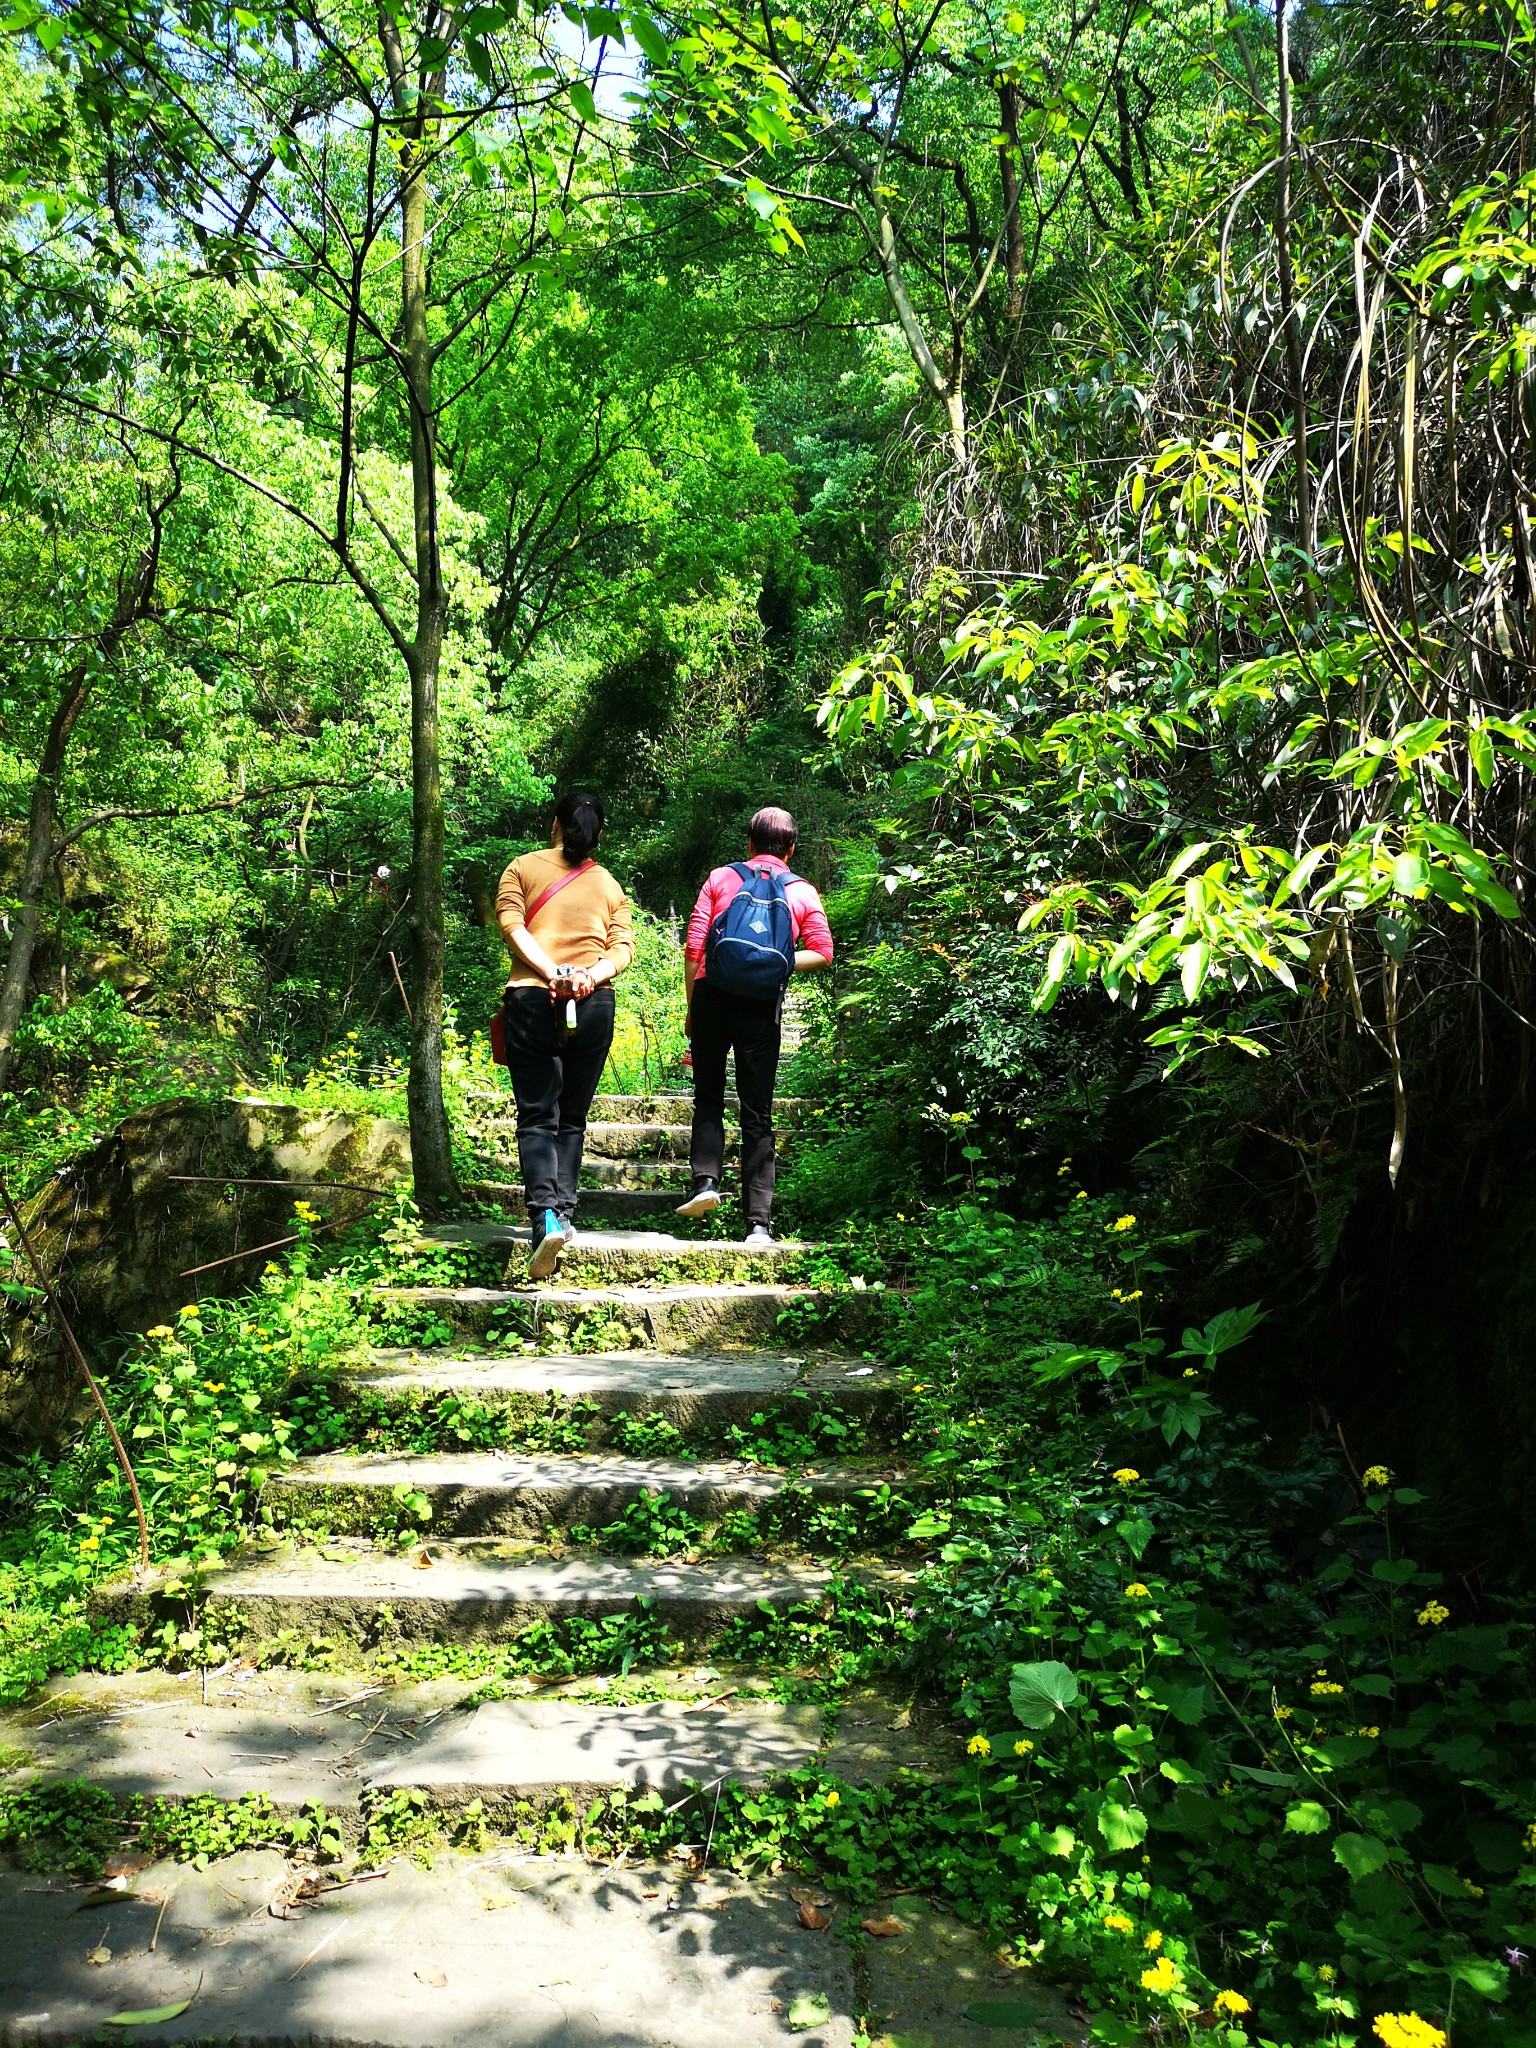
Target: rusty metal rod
{"type": "Point", "coordinates": [70, 1338]}
{"type": "Point", "coordinates": [250, 1180]}
{"type": "Point", "coordinates": [276, 1245]}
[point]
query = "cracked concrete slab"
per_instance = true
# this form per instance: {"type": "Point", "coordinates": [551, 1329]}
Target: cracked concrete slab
{"type": "Point", "coordinates": [518, 1951]}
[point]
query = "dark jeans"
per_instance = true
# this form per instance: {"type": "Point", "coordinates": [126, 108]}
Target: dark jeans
{"type": "Point", "coordinates": [554, 1077]}
{"type": "Point", "coordinates": [721, 1022]}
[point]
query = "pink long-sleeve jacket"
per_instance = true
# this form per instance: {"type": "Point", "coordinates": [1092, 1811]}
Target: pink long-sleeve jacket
{"type": "Point", "coordinates": [805, 909]}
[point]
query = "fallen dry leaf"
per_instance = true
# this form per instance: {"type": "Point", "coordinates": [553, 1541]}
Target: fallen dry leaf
{"type": "Point", "coordinates": [422, 1561]}
{"type": "Point", "coordinates": [98, 1955]}
{"type": "Point", "coordinates": [435, 1978]}
{"type": "Point", "coordinates": [884, 1929]}
{"type": "Point", "coordinates": [808, 1895]}
{"type": "Point", "coordinates": [902, 1721]}
{"type": "Point", "coordinates": [814, 1918]}
{"type": "Point", "coordinates": [126, 1865]}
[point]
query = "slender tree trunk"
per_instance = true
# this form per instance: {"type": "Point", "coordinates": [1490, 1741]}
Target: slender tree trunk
{"type": "Point", "coordinates": [1008, 159]}
{"type": "Point", "coordinates": [1288, 315]}
{"type": "Point", "coordinates": [431, 1145]}
{"type": "Point", "coordinates": [132, 602]}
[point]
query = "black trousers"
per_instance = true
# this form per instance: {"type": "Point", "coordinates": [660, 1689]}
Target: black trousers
{"type": "Point", "coordinates": [554, 1077]}
{"type": "Point", "coordinates": [720, 1023]}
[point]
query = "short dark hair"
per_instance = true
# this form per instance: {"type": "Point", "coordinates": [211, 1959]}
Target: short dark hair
{"type": "Point", "coordinates": [772, 831]}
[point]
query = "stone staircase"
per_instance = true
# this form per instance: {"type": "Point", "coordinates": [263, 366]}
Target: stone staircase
{"type": "Point", "coordinates": [655, 1369]}
{"type": "Point", "coordinates": [713, 1338]}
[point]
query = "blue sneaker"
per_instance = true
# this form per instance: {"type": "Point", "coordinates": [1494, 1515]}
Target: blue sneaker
{"type": "Point", "coordinates": [547, 1248]}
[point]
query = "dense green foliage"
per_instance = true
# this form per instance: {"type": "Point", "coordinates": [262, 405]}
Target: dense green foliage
{"type": "Point", "coordinates": [1166, 374]}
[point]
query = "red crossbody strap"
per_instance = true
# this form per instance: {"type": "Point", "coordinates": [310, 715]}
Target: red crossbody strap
{"type": "Point", "coordinates": [554, 890]}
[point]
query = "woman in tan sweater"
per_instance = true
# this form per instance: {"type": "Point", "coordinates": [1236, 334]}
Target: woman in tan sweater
{"type": "Point", "coordinates": [566, 923]}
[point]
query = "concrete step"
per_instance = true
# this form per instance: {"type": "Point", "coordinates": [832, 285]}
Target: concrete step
{"type": "Point", "coordinates": [700, 1394]}
{"type": "Point", "coordinates": [674, 1108]}
{"type": "Point", "coordinates": [299, 1752]}
{"type": "Point", "coordinates": [488, 1493]}
{"type": "Point", "coordinates": [488, 1591]}
{"type": "Point", "coordinates": [624, 1206]}
{"type": "Point", "coordinates": [629, 1255]}
{"type": "Point", "coordinates": [671, 1318]}
{"type": "Point", "coordinates": [651, 1141]}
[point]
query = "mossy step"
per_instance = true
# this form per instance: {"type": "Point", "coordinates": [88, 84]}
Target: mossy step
{"type": "Point", "coordinates": [489, 1493]}
{"type": "Point", "coordinates": [629, 1255]}
{"type": "Point", "coordinates": [670, 1317]}
{"type": "Point", "coordinates": [487, 1591]}
{"type": "Point", "coordinates": [702, 1396]}
{"type": "Point", "coordinates": [510, 1749]}
{"type": "Point", "coordinates": [600, 1205]}
{"type": "Point", "coordinates": [670, 1108]}
{"type": "Point", "coordinates": [651, 1141]}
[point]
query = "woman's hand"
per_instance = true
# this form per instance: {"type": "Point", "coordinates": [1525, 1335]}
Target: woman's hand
{"type": "Point", "coordinates": [571, 981]}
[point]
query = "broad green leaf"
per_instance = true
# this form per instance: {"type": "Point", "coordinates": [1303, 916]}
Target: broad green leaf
{"type": "Point", "coordinates": [1487, 1979]}
{"type": "Point", "coordinates": [582, 100]}
{"type": "Point", "coordinates": [1123, 1827]}
{"type": "Point", "coordinates": [1306, 1817]}
{"type": "Point", "coordinates": [153, 2016]}
{"type": "Point", "coordinates": [1039, 1692]}
{"type": "Point", "coordinates": [1361, 1855]}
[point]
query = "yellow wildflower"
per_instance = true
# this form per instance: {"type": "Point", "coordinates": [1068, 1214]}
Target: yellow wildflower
{"type": "Point", "coordinates": [1081, 1195]}
{"type": "Point", "coordinates": [1530, 1836]}
{"type": "Point", "coordinates": [1473, 1891]}
{"type": "Point", "coordinates": [1230, 2001]}
{"type": "Point", "coordinates": [1162, 1977]}
{"type": "Point", "coordinates": [1126, 1476]}
{"type": "Point", "coordinates": [1433, 1614]}
{"type": "Point", "coordinates": [1327, 1972]}
{"type": "Point", "coordinates": [1284, 1713]}
{"type": "Point", "coordinates": [834, 1799]}
{"type": "Point", "coordinates": [190, 1313]}
{"type": "Point", "coordinates": [1118, 1924]}
{"type": "Point", "coordinates": [1023, 1747]}
{"type": "Point", "coordinates": [160, 1332]}
{"type": "Point", "coordinates": [1122, 1223]}
{"type": "Point", "coordinates": [1376, 1475]}
{"type": "Point", "coordinates": [1191, 1372]}
{"type": "Point", "coordinates": [91, 1543]}
{"type": "Point", "coordinates": [1321, 1686]}
{"type": "Point", "coordinates": [1406, 2030]}
{"type": "Point", "coordinates": [1137, 1591]}
{"type": "Point", "coordinates": [1154, 1940]}
{"type": "Point", "coordinates": [978, 1746]}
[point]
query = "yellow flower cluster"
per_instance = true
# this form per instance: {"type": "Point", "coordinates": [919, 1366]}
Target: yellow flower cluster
{"type": "Point", "coordinates": [1163, 1977]}
{"type": "Point", "coordinates": [1118, 1924]}
{"type": "Point", "coordinates": [1230, 2001]}
{"type": "Point", "coordinates": [306, 1212]}
{"type": "Point", "coordinates": [1154, 1941]}
{"type": "Point", "coordinates": [1118, 1294]}
{"type": "Point", "coordinates": [159, 1333]}
{"type": "Point", "coordinates": [1322, 1686]}
{"type": "Point", "coordinates": [1137, 1591]}
{"type": "Point", "coordinates": [978, 1746]}
{"type": "Point", "coordinates": [1284, 1713]}
{"type": "Point", "coordinates": [1376, 1475]}
{"type": "Point", "coordinates": [1530, 1836]}
{"type": "Point", "coordinates": [834, 1799]}
{"type": "Point", "coordinates": [1023, 1746]}
{"type": "Point", "coordinates": [1126, 1476]}
{"type": "Point", "coordinates": [1406, 2030]}
{"type": "Point", "coordinates": [1122, 1223]}
{"type": "Point", "coordinates": [1431, 1615]}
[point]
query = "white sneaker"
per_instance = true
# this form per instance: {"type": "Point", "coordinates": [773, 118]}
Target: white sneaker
{"type": "Point", "coordinates": [704, 1200]}
{"type": "Point", "coordinates": [758, 1236]}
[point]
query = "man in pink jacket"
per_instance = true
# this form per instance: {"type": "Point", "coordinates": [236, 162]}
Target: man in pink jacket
{"type": "Point", "coordinates": [720, 1021]}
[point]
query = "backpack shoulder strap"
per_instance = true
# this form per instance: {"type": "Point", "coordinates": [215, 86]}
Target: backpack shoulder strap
{"type": "Point", "coordinates": [554, 889]}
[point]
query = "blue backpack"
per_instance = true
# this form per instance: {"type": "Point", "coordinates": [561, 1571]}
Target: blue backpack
{"type": "Point", "coordinates": [750, 950]}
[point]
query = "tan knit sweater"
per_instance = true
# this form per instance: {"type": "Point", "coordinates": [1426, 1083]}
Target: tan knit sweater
{"type": "Point", "coordinates": [584, 926]}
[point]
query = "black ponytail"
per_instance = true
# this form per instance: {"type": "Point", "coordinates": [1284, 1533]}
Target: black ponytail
{"type": "Point", "coordinates": [580, 818]}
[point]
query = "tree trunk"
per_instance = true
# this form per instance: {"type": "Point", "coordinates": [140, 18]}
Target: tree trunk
{"type": "Point", "coordinates": [431, 1145]}
{"type": "Point", "coordinates": [1288, 314]}
{"type": "Point", "coordinates": [1013, 228]}
{"type": "Point", "coordinates": [132, 602]}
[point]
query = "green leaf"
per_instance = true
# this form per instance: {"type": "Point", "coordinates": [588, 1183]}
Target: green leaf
{"type": "Point", "coordinates": [1135, 1535]}
{"type": "Point", "coordinates": [651, 40]}
{"type": "Point", "coordinates": [1039, 1692]}
{"type": "Point", "coordinates": [154, 2016]}
{"type": "Point", "coordinates": [1306, 1817]}
{"type": "Point", "coordinates": [1361, 1855]}
{"type": "Point", "coordinates": [582, 100]}
{"type": "Point", "coordinates": [1487, 1979]}
{"type": "Point", "coordinates": [809, 2009]}
{"type": "Point", "coordinates": [1123, 1827]}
